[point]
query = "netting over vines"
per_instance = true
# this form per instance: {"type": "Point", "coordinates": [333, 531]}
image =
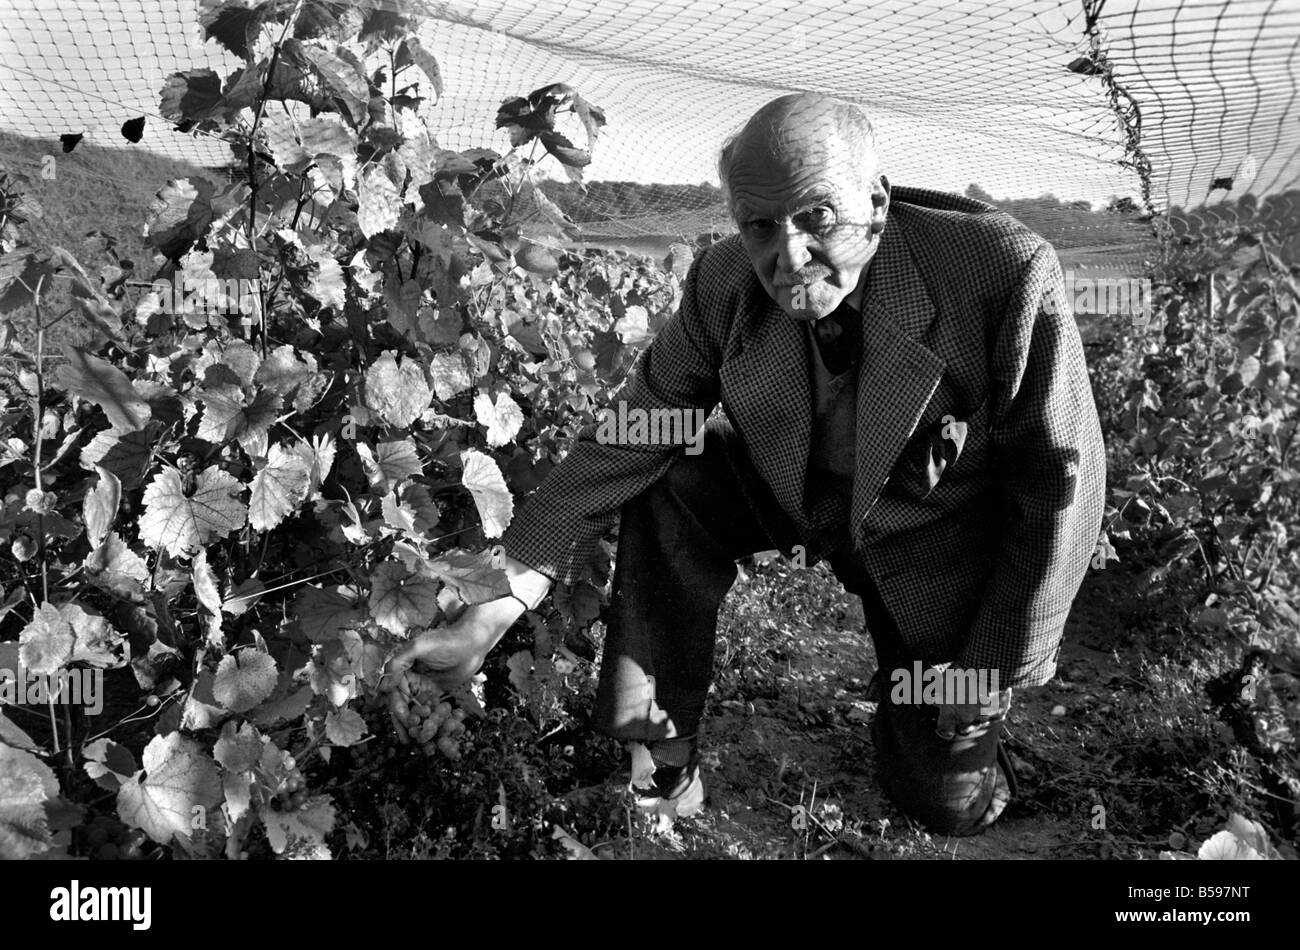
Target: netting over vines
{"type": "Point", "coordinates": [1145, 106]}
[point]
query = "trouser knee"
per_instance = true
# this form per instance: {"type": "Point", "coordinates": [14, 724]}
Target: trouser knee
{"type": "Point", "coordinates": [948, 785]}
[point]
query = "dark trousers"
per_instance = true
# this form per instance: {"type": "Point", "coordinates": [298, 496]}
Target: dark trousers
{"type": "Point", "coordinates": [678, 544]}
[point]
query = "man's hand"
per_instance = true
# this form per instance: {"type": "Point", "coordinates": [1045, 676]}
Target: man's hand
{"type": "Point", "coordinates": [959, 719]}
{"type": "Point", "coordinates": [453, 653]}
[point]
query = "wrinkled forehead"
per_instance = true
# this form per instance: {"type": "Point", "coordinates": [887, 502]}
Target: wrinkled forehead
{"type": "Point", "coordinates": [772, 175]}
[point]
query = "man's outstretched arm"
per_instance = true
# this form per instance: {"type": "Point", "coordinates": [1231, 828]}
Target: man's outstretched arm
{"type": "Point", "coordinates": [554, 534]}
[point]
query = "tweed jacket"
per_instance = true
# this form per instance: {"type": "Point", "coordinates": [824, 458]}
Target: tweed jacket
{"type": "Point", "coordinates": [980, 467]}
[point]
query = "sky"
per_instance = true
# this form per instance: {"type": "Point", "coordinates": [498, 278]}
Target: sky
{"type": "Point", "coordinates": [960, 92]}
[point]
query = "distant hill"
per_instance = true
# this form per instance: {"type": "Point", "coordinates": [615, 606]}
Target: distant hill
{"type": "Point", "coordinates": [93, 188]}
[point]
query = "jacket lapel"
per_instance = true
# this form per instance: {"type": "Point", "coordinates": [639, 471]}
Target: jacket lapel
{"type": "Point", "coordinates": [769, 395]}
{"type": "Point", "coordinates": [898, 373]}
{"type": "Point", "coordinates": [769, 389]}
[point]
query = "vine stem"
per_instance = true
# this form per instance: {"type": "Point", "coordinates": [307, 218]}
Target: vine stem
{"type": "Point", "coordinates": [252, 160]}
{"type": "Point", "coordinates": [39, 441]}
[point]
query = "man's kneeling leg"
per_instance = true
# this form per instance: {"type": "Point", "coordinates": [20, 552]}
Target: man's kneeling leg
{"type": "Point", "coordinates": [954, 785]}
{"type": "Point", "coordinates": [678, 542]}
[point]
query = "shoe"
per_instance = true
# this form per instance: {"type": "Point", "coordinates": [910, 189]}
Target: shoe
{"type": "Point", "coordinates": [1005, 788]}
{"type": "Point", "coordinates": [674, 790]}
{"type": "Point", "coordinates": [678, 792]}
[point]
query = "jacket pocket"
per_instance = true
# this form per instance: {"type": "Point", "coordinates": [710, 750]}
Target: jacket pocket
{"type": "Point", "coordinates": [948, 446]}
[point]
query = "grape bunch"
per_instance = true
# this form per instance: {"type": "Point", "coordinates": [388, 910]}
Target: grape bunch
{"type": "Point", "coordinates": [107, 839]}
{"type": "Point", "coordinates": [291, 793]}
{"type": "Point", "coordinates": [422, 718]}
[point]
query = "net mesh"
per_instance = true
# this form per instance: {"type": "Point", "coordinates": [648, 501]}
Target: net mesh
{"type": "Point", "coordinates": [1054, 108]}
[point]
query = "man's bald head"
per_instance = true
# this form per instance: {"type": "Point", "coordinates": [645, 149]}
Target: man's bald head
{"type": "Point", "coordinates": [804, 126]}
{"type": "Point", "coordinates": [803, 184]}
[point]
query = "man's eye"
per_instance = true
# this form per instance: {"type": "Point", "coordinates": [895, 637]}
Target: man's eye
{"type": "Point", "coordinates": [759, 227]}
{"type": "Point", "coordinates": [817, 219]}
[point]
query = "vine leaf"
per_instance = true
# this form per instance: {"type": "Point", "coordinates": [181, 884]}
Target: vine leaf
{"type": "Point", "coordinates": [177, 778]}
{"type": "Point", "coordinates": [296, 144]}
{"type": "Point", "coordinates": [555, 214]}
{"type": "Point", "coordinates": [491, 496]}
{"type": "Point", "coordinates": [46, 644]}
{"type": "Point", "coordinates": [205, 583]}
{"type": "Point", "coordinates": [321, 612]}
{"type": "Point", "coordinates": [402, 301]}
{"type": "Point", "coordinates": [335, 669]}
{"type": "Point", "coordinates": [180, 211]}
{"type": "Point", "coordinates": [244, 679]}
{"type": "Point", "coordinates": [99, 507]}
{"type": "Point", "coordinates": [327, 284]}
{"type": "Point", "coordinates": [178, 524]}
{"type": "Point", "coordinates": [398, 392]}
{"type": "Point", "coordinates": [389, 463]}
{"type": "Point", "coordinates": [21, 272]}
{"type": "Point", "coordinates": [578, 603]}
{"type": "Point", "coordinates": [450, 378]}
{"type": "Point", "coordinates": [576, 850]}
{"type": "Point", "coordinates": [319, 456]}
{"type": "Point", "coordinates": [229, 414]}
{"type": "Point", "coordinates": [289, 701]}
{"type": "Point", "coordinates": [378, 203]}
{"type": "Point", "coordinates": [338, 75]}
{"type": "Point", "coordinates": [1226, 846]}
{"type": "Point", "coordinates": [96, 642]}
{"type": "Point", "coordinates": [116, 567]}
{"type": "Point", "coordinates": [26, 784]}
{"type": "Point", "coordinates": [201, 710]}
{"type": "Point", "coordinates": [234, 25]}
{"type": "Point", "coordinates": [109, 764]}
{"type": "Point", "coordinates": [1253, 835]}
{"type": "Point", "coordinates": [124, 453]}
{"type": "Point", "coordinates": [191, 96]}
{"type": "Point", "coordinates": [102, 383]}
{"type": "Point", "coordinates": [472, 576]}
{"type": "Point", "coordinates": [398, 515]}
{"type": "Point", "coordinates": [238, 751]}
{"type": "Point", "coordinates": [344, 727]}
{"type": "Point", "coordinates": [503, 418]}
{"type": "Point", "coordinates": [416, 498]}
{"type": "Point", "coordinates": [400, 600]}
{"type": "Point", "coordinates": [300, 833]}
{"type": "Point", "coordinates": [278, 489]}
{"type": "Point", "coordinates": [536, 259]}
{"type": "Point", "coordinates": [633, 328]}
{"type": "Point", "coordinates": [427, 63]}
{"type": "Point", "coordinates": [285, 372]}
{"type": "Point", "coordinates": [520, 666]}
{"type": "Point", "coordinates": [14, 737]}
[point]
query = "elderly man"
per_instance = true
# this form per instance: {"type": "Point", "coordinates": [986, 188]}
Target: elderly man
{"type": "Point", "coordinates": [905, 396]}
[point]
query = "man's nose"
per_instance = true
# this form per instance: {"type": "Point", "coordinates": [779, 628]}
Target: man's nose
{"type": "Point", "coordinates": [792, 248]}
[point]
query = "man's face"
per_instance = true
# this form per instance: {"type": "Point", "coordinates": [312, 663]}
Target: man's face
{"type": "Point", "coordinates": [805, 218]}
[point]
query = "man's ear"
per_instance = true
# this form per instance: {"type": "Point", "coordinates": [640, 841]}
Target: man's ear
{"type": "Point", "coordinates": [879, 204]}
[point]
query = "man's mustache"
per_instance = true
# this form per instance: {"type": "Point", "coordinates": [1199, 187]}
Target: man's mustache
{"type": "Point", "coordinates": [802, 278]}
